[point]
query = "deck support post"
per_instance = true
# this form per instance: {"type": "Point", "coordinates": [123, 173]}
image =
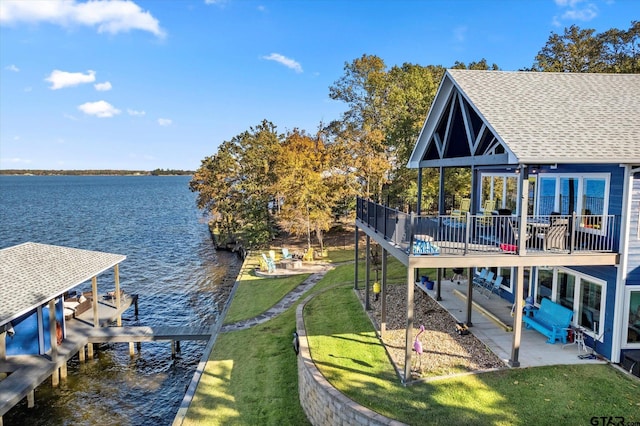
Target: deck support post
{"type": "Point", "coordinates": [438, 292]}
{"type": "Point", "coordinates": [3, 346]}
{"type": "Point", "coordinates": [53, 333]}
{"type": "Point", "coordinates": [367, 276]}
{"type": "Point", "coordinates": [63, 371]}
{"type": "Point", "coordinates": [409, 329]}
{"type": "Point", "coordinates": [470, 298]}
{"type": "Point", "coordinates": [31, 399]}
{"type": "Point", "coordinates": [55, 377]}
{"type": "Point", "coordinates": [132, 351]}
{"type": "Point", "coordinates": [81, 353]}
{"type": "Point", "coordinates": [116, 274]}
{"type": "Point", "coordinates": [94, 302]}
{"type": "Point", "coordinates": [173, 349]}
{"type": "Point", "coordinates": [355, 273]}
{"type": "Point", "coordinates": [178, 346]}
{"type": "Point", "coordinates": [90, 350]}
{"type": "Point", "coordinates": [383, 290]}
{"type": "Point", "coordinates": [517, 318]}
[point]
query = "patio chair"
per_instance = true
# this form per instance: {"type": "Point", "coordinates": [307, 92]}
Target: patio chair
{"type": "Point", "coordinates": [486, 217]}
{"type": "Point", "coordinates": [308, 255]}
{"type": "Point", "coordinates": [461, 213]}
{"type": "Point", "coordinates": [555, 237]}
{"type": "Point", "coordinates": [493, 287]}
{"type": "Point", "coordinates": [481, 280]}
{"type": "Point", "coordinates": [268, 262]}
{"type": "Point", "coordinates": [272, 255]}
{"type": "Point", "coordinates": [286, 254]}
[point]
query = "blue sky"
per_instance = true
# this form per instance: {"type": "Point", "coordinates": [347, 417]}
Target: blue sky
{"type": "Point", "coordinates": [140, 85]}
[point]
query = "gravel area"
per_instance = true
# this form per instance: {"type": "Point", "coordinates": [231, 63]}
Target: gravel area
{"type": "Point", "coordinates": [445, 352]}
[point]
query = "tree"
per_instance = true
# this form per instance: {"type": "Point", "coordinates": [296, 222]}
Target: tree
{"type": "Point", "coordinates": [235, 185]}
{"type": "Point", "coordinates": [579, 50]}
{"type": "Point", "coordinates": [306, 203]}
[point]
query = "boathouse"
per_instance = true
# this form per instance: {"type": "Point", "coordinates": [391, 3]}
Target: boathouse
{"type": "Point", "coordinates": [554, 201]}
{"type": "Point", "coordinates": [33, 323]}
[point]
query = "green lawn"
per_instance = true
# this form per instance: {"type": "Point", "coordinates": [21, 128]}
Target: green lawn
{"type": "Point", "coordinates": [251, 376]}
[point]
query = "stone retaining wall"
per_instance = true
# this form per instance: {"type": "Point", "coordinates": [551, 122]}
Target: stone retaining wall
{"type": "Point", "coordinates": [321, 402]}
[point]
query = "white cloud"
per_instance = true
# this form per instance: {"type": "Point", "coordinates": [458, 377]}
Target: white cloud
{"type": "Point", "coordinates": [12, 67]}
{"type": "Point", "coordinates": [60, 79]}
{"type": "Point", "coordinates": [103, 87]}
{"type": "Point", "coordinates": [102, 109]}
{"type": "Point", "coordinates": [165, 122]}
{"type": "Point", "coordinates": [575, 10]}
{"type": "Point", "coordinates": [135, 113]}
{"type": "Point", "coordinates": [112, 17]}
{"type": "Point", "coordinates": [287, 62]}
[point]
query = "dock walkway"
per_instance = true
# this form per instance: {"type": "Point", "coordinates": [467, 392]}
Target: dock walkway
{"type": "Point", "coordinates": [26, 372]}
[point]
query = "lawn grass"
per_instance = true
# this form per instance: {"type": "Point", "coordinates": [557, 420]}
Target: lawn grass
{"type": "Point", "coordinates": [251, 377]}
{"type": "Point", "coordinates": [343, 346]}
{"type": "Point", "coordinates": [253, 297]}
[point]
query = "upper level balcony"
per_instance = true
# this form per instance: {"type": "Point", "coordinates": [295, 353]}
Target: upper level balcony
{"type": "Point", "coordinates": [490, 234]}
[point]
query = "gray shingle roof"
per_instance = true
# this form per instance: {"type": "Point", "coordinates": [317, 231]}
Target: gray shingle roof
{"type": "Point", "coordinates": [32, 274]}
{"type": "Point", "coordinates": [559, 117]}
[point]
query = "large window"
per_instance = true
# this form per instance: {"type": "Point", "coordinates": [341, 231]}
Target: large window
{"type": "Point", "coordinates": [582, 294]}
{"type": "Point", "coordinates": [586, 195]}
{"type": "Point", "coordinates": [545, 284]}
{"type": "Point", "coordinates": [501, 187]}
{"type": "Point", "coordinates": [633, 316]}
{"type": "Point", "coordinates": [589, 308]}
{"type": "Point", "coordinates": [565, 290]}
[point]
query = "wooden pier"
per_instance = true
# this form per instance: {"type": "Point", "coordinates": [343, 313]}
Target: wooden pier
{"type": "Point", "coordinates": [22, 374]}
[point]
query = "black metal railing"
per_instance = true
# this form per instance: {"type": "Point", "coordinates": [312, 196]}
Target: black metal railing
{"type": "Point", "coordinates": [463, 234]}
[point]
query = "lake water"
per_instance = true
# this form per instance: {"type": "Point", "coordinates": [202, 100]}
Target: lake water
{"type": "Point", "coordinates": [171, 264]}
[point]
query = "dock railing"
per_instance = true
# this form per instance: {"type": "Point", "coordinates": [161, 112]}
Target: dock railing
{"type": "Point", "coordinates": [446, 234]}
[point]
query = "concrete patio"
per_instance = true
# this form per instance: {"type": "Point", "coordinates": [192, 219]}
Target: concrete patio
{"type": "Point", "coordinates": [491, 315]}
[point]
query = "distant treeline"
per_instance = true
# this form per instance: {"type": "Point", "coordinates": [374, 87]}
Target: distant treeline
{"type": "Point", "coordinates": [156, 172]}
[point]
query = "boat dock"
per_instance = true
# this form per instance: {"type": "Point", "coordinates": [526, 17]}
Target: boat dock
{"type": "Point", "coordinates": [26, 372]}
{"type": "Point", "coordinates": [42, 326]}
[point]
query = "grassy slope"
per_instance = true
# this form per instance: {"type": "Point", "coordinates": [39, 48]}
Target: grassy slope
{"type": "Point", "coordinates": [251, 377]}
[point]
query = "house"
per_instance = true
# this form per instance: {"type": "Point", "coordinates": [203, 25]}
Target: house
{"type": "Point", "coordinates": [555, 197]}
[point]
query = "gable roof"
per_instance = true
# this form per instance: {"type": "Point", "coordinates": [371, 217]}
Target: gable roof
{"type": "Point", "coordinates": [539, 117]}
{"type": "Point", "coordinates": [31, 274]}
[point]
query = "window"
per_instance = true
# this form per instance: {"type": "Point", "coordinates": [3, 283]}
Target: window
{"type": "Point", "coordinates": [633, 317]}
{"type": "Point", "coordinates": [501, 187]}
{"type": "Point", "coordinates": [545, 284]}
{"type": "Point", "coordinates": [587, 195]}
{"type": "Point", "coordinates": [589, 309]}
{"type": "Point", "coordinates": [566, 289]}
{"type": "Point", "coordinates": [582, 294]}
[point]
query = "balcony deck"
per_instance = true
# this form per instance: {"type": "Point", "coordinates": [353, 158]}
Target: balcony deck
{"type": "Point", "coordinates": [490, 240]}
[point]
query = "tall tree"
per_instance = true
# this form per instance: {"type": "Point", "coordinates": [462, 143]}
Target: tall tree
{"type": "Point", "coordinates": [582, 50]}
{"type": "Point", "coordinates": [306, 195]}
{"type": "Point", "coordinates": [236, 185]}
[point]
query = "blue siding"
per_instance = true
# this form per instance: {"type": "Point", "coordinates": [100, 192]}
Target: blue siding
{"type": "Point", "coordinates": [608, 274]}
{"type": "Point", "coordinates": [26, 341]}
{"type": "Point", "coordinates": [633, 267]}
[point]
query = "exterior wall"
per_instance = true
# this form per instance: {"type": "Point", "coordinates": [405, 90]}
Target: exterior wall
{"type": "Point", "coordinates": [608, 274]}
{"type": "Point", "coordinates": [321, 402]}
{"type": "Point", "coordinates": [633, 267]}
{"type": "Point", "coordinates": [28, 337]}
